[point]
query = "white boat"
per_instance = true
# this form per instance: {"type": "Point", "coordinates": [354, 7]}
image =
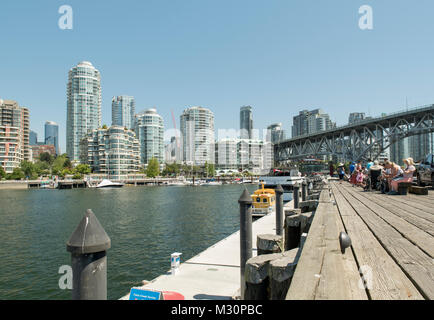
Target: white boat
{"type": "Point", "coordinates": [211, 183]}
{"type": "Point", "coordinates": [286, 178]}
{"type": "Point", "coordinates": [108, 184]}
{"type": "Point", "coordinates": [176, 183]}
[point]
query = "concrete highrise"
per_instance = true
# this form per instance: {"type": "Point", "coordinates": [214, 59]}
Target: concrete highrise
{"type": "Point", "coordinates": [14, 135]}
{"type": "Point", "coordinates": [309, 122]}
{"type": "Point", "coordinates": [275, 133]}
{"type": "Point", "coordinates": [83, 106]}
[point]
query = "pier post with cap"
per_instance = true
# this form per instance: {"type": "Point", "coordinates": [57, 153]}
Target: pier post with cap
{"type": "Point", "coordinates": [303, 190]}
{"type": "Point", "coordinates": [245, 203]}
{"type": "Point", "coordinates": [279, 210]}
{"type": "Point", "coordinates": [296, 195]}
{"type": "Point", "coordinates": [88, 246]}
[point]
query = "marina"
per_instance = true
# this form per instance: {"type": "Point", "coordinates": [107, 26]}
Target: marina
{"type": "Point", "coordinates": [145, 223]}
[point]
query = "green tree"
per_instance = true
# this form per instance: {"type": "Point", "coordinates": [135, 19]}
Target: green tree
{"type": "Point", "coordinates": [153, 169]}
{"type": "Point", "coordinates": [17, 174]}
{"type": "Point", "coordinates": [29, 170]}
{"type": "Point", "coordinates": [82, 169]}
{"type": "Point", "coordinates": [42, 168]}
{"type": "Point", "coordinates": [46, 157]}
{"type": "Point", "coordinates": [2, 173]}
{"type": "Point", "coordinates": [171, 169]}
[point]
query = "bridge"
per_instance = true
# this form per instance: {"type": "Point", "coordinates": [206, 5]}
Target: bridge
{"type": "Point", "coordinates": [358, 141]}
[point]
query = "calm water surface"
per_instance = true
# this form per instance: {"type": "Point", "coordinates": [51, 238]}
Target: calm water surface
{"type": "Point", "coordinates": [145, 224]}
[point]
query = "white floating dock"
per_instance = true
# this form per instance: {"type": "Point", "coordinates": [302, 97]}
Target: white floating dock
{"type": "Point", "coordinates": [213, 274]}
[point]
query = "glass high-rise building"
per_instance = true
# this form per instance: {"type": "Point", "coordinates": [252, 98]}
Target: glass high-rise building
{"type": "Point", "coordinates": [83, 106]}
{"type": "Point", "coordinates": [246, 122]}
{"type": "Point", "coordinates": [33, 138]}
{"type": "Point", "coordinates": [197, 130]}
{"type": "Point", "coordinates": [149, 128]}
{"type": "Point", "coordinates": [123, 109]}
{"type": "Point", "coordinates": [52, 135]}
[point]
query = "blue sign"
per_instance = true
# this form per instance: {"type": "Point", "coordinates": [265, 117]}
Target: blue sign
{"type": "Point", "coordinates": [138, 294]}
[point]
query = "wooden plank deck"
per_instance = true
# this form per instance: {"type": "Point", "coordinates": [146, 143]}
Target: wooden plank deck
{"type": "Point", "coordinates": [391, 257]}
{"type": "Point", "coordinates": [323, 272]}
{"type": "Point", "coordinates": [404, 232]}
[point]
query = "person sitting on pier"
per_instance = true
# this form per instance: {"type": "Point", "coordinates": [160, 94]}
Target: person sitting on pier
{"type": "Point", "coordinates": [360, 178]}
{"type": "Point", "coordinates": [354, 173]}
{"type": "Point", "coordinates": [341, 172]}
{"type": "Point", "coordinates": [375, 172]}
{"type": "Point", "coordinates": [406, 176]}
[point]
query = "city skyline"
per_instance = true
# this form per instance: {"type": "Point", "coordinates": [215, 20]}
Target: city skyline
{"type": "Point", "coordinates": [278, 75]}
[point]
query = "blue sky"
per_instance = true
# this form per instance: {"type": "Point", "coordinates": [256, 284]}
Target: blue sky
{"type": "Point", "coordinates": [279, 56]}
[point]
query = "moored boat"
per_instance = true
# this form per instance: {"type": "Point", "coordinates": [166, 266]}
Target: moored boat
{"type": "Point", "coordinates": [264, 201]}
{"type": "Point", "coordinates": [109, 184]}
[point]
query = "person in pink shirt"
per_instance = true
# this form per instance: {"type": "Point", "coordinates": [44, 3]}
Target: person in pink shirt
{"type": "Point", "coordinates": [407, 176]}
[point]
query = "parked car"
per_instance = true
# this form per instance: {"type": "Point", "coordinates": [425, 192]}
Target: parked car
{"type": "Point", "coordinates": [425, 171]}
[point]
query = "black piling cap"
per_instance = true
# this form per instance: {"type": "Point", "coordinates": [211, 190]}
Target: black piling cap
{"type": "Point", "coordinates": [279, 189]}
{"type": "Point", "coordinates": [89, 236]}
{"type": "Point", "coordinates": [245, 197]}
{"type": "Point", "coordinates": [344, 241]}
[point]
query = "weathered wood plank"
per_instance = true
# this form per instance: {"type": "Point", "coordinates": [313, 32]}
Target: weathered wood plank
{"type": "Point", "coordinates": [389, 282]}
{"type": "Point", "coordinates": [418, 266]}
{"type": "Point", "coordinates": [322, 271]}
{"type": "Point", "coordinates": [408, 212]}
{"type": "Point", "coordinates": [308, 270]}
{"type": "Point", "coordinates": [412, 232]}
{"type": "Point", "coordinates": [426, 208]}
{"type": "Point", "coordinates": [339, 279]}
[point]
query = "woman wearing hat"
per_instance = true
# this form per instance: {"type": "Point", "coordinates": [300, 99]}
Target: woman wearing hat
{"type": "Point", "coordinates": [407, 176]}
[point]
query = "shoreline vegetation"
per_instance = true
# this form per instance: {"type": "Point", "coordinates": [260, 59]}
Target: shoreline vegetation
{"type": "Point", "coordinates": [48, 167]}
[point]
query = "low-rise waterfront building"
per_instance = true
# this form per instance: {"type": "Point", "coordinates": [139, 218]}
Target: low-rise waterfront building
{"type": "Point", "coordinates": [240, 155]}
{"type": "Point", "coordinates": [113, 152]}
{"type": "Point", "coordinates": [38, 149]}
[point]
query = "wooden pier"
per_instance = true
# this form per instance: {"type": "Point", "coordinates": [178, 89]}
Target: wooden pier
{"type": "Point", "coordinates": [391, 252]}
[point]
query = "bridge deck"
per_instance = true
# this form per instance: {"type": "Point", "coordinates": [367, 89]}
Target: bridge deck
{"type": "Point", "coordinates": [392, 246]}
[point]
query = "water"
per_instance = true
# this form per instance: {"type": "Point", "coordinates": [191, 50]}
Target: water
{"type": "Point", "coordinates": [146, 224]}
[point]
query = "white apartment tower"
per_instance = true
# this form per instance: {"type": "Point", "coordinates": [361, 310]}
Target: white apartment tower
{"type": "Point", "coordinates": [197, 130]}
{"type": "Point", "coordinates": [83, 106]}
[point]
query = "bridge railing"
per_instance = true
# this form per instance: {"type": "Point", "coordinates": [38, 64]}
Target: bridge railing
{"type": "Point", "coordinates": [361, 122]}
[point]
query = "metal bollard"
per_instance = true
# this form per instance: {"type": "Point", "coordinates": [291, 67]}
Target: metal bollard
{"type": "Point", "coordinates": [279, 210]}
{"type": "Point", "coordinates": [303, 191]}
{"type": "Point", "coordinates": [88, 245]}
{"type": "Point", "coordinates": [245, 202]}
{"type": "Point", "coordinates": [296, 195]}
